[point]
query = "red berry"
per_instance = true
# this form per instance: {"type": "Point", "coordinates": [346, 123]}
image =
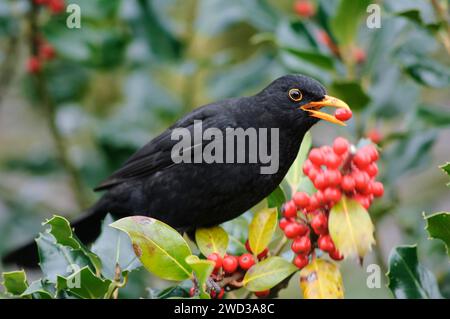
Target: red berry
{"type": "Point", "coordinates": [56, 6]}
{"type": "Point", "coordinates": [313, 173]}
{"type": "Point", "coordinates": [221, 294]}
{"type": "Point", "coordinates": [361, 180]}
{"type": "Point", "coordinates": [336, 255]}
{"type": "Point", "coordinates": [332, 161]}
{"type": "Point", "coordinates": [340, 146]}
{"type": "Point", "coordinates": [262, 294]}
{"type": "Point", "coordinates": [217, 259]}
{"type": "Point", "coordinates": [304, 8]}
{"type": "Point", "coordinates": [320, 197]}
{"type": "Point", "coordinates": [290, 209]}
{"type": "Point", "coordinates": [325, 243]}
{"type": "Point", "coordinates": [282, 223]}
{"type": "Point", "coordinates": [307, 167]}
{"type": "Point", "coordinates": [333, 176]}
{"type": "Point", "coordinates": [192, 291]}
{"type": "Point", "coordinates": [348, 184]}
{"type": "Point", "coordinates": [321, 182]}
{"type": "Point", "coordinates": [372, 169]}
{"type": "Point", "coordinates": [33, 65]}
{"type": "Point", "coordinates": [343, 114]}
{"type": "Point", "coordinates": [301, 261]}
{"type": "Point", "coordinates": [47, 52]}
{"type": "Point", "coordinates": [247, 243]}
{"type": "Point", "coordinates": [301, 245]}
{"type": "Point", "coordinates": [313, 204]}
{"type": "Point", "coordinates": [316, 157]}
{"type": "Point", "coordinates": [301, 199]}
{"type": "Point", "coordinates": [362, 159]}
{"type": "Point", "coordinates": [377, 189]}
{"type": "Point", "coordinates": [295, 229]}
{"type": "Point", "coordinates": [319, 224]}
{"type": "Point", "coordinates": [230, 264]}
{"type": "Point", "coordinates": [363, 200]}
{"type": "Point", "coordinates": [375, 136]}
{"type": "Point", "coordinates": [332, 195]}
{"type": "Point", "coordinates": [246, 261]}
{"type": "Point", "coordinates": [263, 254]}
{"type": "Point", "coordinates": [359, 55]}
{"type": "Point", "coordinates": [41, 2]}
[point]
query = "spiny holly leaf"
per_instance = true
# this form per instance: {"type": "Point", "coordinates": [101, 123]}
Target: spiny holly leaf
{"type": "Point", "coordinates": [84, 284]}
{"type": "Point", "coordinates": [261, 229]}
{"type": "Point", "coordinates": [56, 259]}
{"type": "Point", "coordinates": [295, 171]}
{"type": "Point", "coordinates": [268, 273]}
{"type": "Point", "coordinates": [446, 169]}
{"type": "Point", "coordinates": [438, 227]}
{"type": "Point", "coordinates": [161, 249]}
{"type": "Point", "coordinates": [40, 289]}
{"type": "Point", "coordinates": [202, 270]}
{"type": "Point", "coordinates": [62, 232]}
{"type": "Point", "coordinates": [212, 240]}
{"type": "Point", "coordinates": [113, 247]}
{"type": "Point", "coordinates": [351, 228]}
{"type": "Point", "coordinates": [321, 279]}
{"type": "Point", "coordinates": [15, 282]}
{"type": "Point", "coordinates": [407, 278]}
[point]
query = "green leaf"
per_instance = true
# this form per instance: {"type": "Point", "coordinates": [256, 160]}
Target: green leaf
{"type": "Point", "coordinates": [351, 228]}
{"type": "Point", "coordinates": [15, 282]}
{"type": "Point", "coordinates": [295, 172]}
{"type": "Point", "coordinates": [212, 240]}
{"type": "Point", "coordinates": [321, 279]}
{"type": "Point", "coordinates": [446, 168]}
{"type": "Point", "coordinates": [435, 116]}
{"type": "Point", "coordinates": [407, 278]}
{"type": "Point", "coordinates": [113, 247]}
{"type": "Point", "coordinates": [261, 229]}
{"type": "Point", "coordinates": [237, 230]}
{"type": "Point", "coordinates": [39, 289]}
{"type": "Point", "coordinates": [62, 232]}
{"type": "Point", "coordinates": [161, 249]}
{"type": "Point", "coordinates": [178, 291]}
{"type": "Point", "coordinates": [276, 198]}
{"type": "Point", "coordinates": [320, 60]}
{"type": "Point", "coordinates": [202, 270]}
{"type": "Point", "coordinates": [438, 227]}
{"type": "Point", "coordinates": [268, 273]}
{"type": "Point", "coordinates": [83, 284]}
{"type": "Point", "coordinates": [352, 93]}
{"type": "Point", "coordinates": [429, 73]}
{"type": "Point", "coordinates": [346, 21]}
{"type": "Point", "coordinates": [415, 16]}
{"type": "Point", "coordinates": [56, 259]}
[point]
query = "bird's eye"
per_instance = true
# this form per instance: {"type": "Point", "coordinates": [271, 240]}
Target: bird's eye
{"type": "Point", "coordinates": [295, 95]}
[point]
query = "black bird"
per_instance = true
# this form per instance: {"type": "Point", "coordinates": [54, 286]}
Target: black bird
{"type": "Point", "coordinates": [191, 195]}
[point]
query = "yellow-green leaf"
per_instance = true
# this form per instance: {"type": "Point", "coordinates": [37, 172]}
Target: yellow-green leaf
{"type": "Point", "coordinates": [261, 229]}
{"type": "Point", "coordinates": [321, 279]}
{"type": "Point", "coordinates": [15, 282]}
{"type": "Point", "coordinates": [295, 171]}
{"type": "Point", "coordinates": [161, 249]}
{"type": "Point", "coordinates": [212, 240]}
{"type": "Point", "coordinates": [202, 270]}
{"type": "Point", "coordinates": [351, 228]}
{"type": "Point", "coordinates": [268, 273]}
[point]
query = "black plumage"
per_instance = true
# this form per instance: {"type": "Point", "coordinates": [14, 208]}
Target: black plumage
{"type": "Point", "coordinates": [188, 195]}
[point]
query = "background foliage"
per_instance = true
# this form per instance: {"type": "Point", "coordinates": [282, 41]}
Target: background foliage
{"type": "Point", "coordinates": [136, 66]}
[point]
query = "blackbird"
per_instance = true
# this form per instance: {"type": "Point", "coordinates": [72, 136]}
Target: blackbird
{"type": "Point", "coordinates": [191, 195]}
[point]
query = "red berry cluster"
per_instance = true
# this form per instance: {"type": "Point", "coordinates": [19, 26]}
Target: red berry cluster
{"type": "Point", "coordinates": [55, 6]}
{"type": "Point", "coordinates": [46, 52]}
{"type": "Point", "coordinates": [334, 171]}
{"type": "Point", "coordinates": [229, 265]}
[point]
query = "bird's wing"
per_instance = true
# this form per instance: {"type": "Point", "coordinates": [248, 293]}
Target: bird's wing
{"type": "Point", "coordinates": [156, 155]}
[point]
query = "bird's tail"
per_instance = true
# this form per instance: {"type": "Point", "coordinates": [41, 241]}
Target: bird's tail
{"type": "Point", "coordinates": [87, 229]}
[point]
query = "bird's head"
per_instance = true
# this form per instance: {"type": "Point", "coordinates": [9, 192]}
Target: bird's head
{"type": "Point", "coordinates": [300, 98]}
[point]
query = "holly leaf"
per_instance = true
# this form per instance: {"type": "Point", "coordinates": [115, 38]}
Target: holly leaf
{"type": "Point", "coordinates": [268, 273]}
{"type": "Point", "coordinates": [39, 289]}
{"type": "Point", "coordinates": [446, 169]}
{"type": "Point", "coordinates": [321, 279]}
{"type": "Point", "coordinates": [276, 198]}
{"type": "Point", "coordinates": [407, 278]}
{"type": "Point", "coordinates": [438, 227]}
{"type": "Point", "coordinates": [261, 229]}
{"type": "Point", "coordinates": [351, 228]}
{"type": "Point", "coordinates": [160, 248]}
{"type": "Point", "coordinates": [343, 27]}
{"type": "Point", "coordinates": [212, 240]}
{"type": "Point", "coordinates": [295, 172]}
{"type": "Point", "coordinates": [84, 284]}
{"type": "Point", "coordinates": [113, 247]}
{"type": "Point", "coordinates": [15, 282]}
{"type": "Point", "coordinates": [202, 270]}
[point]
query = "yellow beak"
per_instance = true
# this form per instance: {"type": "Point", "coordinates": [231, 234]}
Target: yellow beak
{"type": "Point", "coordinates": [314, 107]}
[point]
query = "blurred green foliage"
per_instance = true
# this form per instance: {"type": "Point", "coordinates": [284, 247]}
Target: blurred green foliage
{"type": "Point", "coordinates": [136, 66]}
